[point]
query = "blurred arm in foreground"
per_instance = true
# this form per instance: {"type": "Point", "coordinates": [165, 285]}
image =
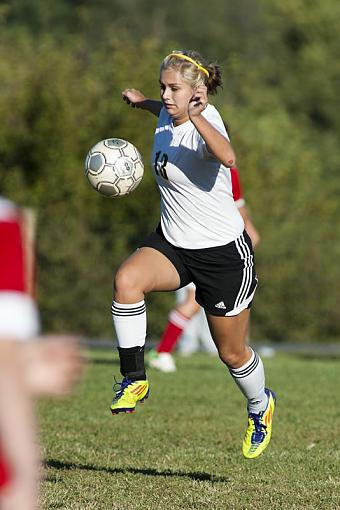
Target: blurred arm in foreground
{"type": "Point", "coordinates": [27, 368]}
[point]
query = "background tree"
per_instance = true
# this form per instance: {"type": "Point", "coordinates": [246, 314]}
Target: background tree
{"type": "Point", "coordinates": [63, 66]}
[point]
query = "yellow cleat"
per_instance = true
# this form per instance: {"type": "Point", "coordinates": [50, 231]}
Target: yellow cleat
{"type": "Point", "coordinates": [128, 393]}
{"type": "Point", "coordinates": [259, 429]}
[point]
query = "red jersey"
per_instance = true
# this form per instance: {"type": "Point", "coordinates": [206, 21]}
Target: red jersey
{"type": "Point", "coordinates": [18, 312]}
{"type": "Point", "coordinates": [12, 270]}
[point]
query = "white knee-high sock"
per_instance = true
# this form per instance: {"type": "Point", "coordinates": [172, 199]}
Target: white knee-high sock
{"type": "Point", "coordinates": [251, 381]}
{"type": "Point", "coordinates": [130, 323]}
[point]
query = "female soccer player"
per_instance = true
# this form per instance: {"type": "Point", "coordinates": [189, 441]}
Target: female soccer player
{"type": "Point", "coordinates": [200, 239]}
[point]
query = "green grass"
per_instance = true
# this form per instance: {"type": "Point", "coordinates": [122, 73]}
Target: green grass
{"type": "Point", "coordinates": [182, 448]}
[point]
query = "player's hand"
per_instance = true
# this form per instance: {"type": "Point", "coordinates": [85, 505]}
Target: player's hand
{"type": "Point", "coordinates": [53, 365]}
{"type": "Point", "coordinates": [198, 102]}
{"type": "Point", "coordinates": [133, 97]}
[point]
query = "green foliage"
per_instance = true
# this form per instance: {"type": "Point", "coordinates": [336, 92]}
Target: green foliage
{"type": "Point", "coordinates": [63, 66]}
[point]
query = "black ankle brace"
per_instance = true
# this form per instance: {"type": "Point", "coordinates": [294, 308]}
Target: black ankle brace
{"type": "Point", "coordinates": [132, 363]}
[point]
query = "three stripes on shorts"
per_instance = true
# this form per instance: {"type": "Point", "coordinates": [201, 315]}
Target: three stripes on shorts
{"type": "Point", "coordinates": [247, 278]}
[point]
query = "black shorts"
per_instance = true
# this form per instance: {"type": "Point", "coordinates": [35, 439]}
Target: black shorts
{"type": "Point", "coordinates": [224, 276]}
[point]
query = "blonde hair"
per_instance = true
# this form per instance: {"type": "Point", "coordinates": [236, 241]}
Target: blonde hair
{"type": "Point", "coordinates": [194, 69]}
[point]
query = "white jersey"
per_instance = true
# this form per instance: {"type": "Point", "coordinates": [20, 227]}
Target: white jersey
{"type": "Point", "coordinates": [197, 204]}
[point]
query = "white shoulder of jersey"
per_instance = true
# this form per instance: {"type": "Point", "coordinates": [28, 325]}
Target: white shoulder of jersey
{"type": "Point", "coordinates": [210, 113]}
{"type": "Point", "coordinates": [14, 305]}
{"type": "Point", "coordinates": [8, 209]}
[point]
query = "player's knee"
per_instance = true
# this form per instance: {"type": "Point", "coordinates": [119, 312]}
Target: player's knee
{"type": "Point", "coordinates": [232, 357]}
{"type": "Point", "coordinates": [126, 281]}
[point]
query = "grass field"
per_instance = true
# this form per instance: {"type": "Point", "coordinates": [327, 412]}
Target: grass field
{"type": "Point", "coordinates": [182, 448]}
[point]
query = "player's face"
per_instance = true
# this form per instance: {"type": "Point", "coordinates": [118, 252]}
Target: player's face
{"type": "Point", "coordinates": [175, 94]}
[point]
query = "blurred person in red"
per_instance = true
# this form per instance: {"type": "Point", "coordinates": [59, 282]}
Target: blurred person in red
{"type": "Point", "coordinates": [30, 366]}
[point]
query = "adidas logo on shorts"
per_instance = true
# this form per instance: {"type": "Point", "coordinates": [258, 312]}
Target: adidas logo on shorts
{"type": "Point", "coordinates": [221, 305]}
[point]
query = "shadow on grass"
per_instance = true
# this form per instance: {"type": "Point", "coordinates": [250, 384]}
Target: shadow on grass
{"type": "Point", "coordinates": [201, 477]}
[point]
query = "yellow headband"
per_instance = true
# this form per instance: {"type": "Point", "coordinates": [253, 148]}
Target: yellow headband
{"type": "Point", "coordinates": [185, 57]}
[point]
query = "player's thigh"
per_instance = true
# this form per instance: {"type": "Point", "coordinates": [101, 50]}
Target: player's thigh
{"type": "Point", "coordinates": [229, 333]}
{"type": "Point", "coordinates": [148, 270]}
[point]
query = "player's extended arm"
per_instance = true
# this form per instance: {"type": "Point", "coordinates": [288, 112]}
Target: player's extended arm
{"type": "Point", "coordinates": [248, 225]}
{"type": "Point", "coordinates": [217, 144]}
{"type": "Point", "coordinates": [137, 100]}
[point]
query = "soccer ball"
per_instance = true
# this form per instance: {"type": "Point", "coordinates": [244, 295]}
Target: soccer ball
{"type": "Point", "coordinates": [114, 167]}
